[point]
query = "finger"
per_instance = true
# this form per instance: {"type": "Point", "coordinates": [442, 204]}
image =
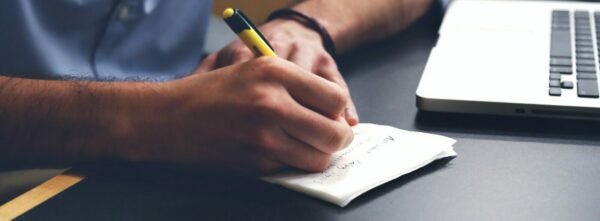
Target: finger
{"type": "Point", "coordinates": [239, 54]}
{"type": "Point", "coordinates": [208, 64]}
{"type": "Point", "coordinates": [235, 52]}
{"type": "Point", "coordinates": [300, 155]}
{"type": "Point", "coordinates": [322, 133]}
{"type": "Point", "coordinates": [351, 114]}
{"type": "Point", "coordinates": [328, 70]}
{"type": "Point", "coordinates": [308, 89]}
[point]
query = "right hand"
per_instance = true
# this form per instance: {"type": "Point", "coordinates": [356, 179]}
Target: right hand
{"type": "Point", "coordinates": [257, 116]}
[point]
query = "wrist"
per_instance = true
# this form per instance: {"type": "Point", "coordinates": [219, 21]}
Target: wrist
{"type": "Point", "coordinates": [134, 112]}
{"type": "Point", "coordinates": [329, 18]}
{"type": "Point", "coordinates": [290, 29]}
{"type": "Point", "coordinates": [310, 23]}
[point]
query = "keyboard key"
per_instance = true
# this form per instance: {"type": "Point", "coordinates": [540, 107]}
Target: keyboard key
{"type": "Point", "coordinates": [586, 69]}
{"type": "Point", "coordinates": [555, 77]}
{"type": "Point", "coordinates": [561, 20]}
{"type": "Point", "coordinates": [562, 70]}
{"type": "Point", "coordinates": [586, 77]}
{"type": "Point", "coordinates": [581, 13]}
{"type": "Point", "coordinates": [583, 37]}
{"type": "Point", "coordinates": [561, 12]}
{"type": "Point", "coordinates": [560, 44]}
{"type": "Point", "coordinates": [584, 50]}
{"type": "Point", "coordinates": [566, 84]}
{"type": "Point", "coordinates": [587, 88]}
{"type": "Point", "coordinates": [584, 43]}
{"type": "Point", "coordinates": [582, 27]}
{"type": "Point", "coordinates": [560, 16]}
{"type": "Point", "coordinates": [554, 91]}
{"type": "Point", "coordinates": [554, 83]}
{"type": "Point", "coordinates": [562, 62]}
{"type": "Point", "coordinates": [586, 62]}
{"type": "Point", "coordinates": [585, 56]}
{"type": "Point", "coordinates": [561, 26]}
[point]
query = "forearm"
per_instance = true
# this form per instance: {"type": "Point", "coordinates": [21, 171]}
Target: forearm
{"type": "Point", "coordinates": [62, 120]}
{"type": "Point", "coordinates": [354, 22]}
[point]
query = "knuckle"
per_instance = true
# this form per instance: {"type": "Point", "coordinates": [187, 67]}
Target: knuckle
{"type": "Point", "coordinates": [339, 98]}
{"type": "Point", "coordinates": [263, 139]}
{"type": "Point", "coordinates": [268, 105]}
{"type": "Point", "coordinates": [326, 60]}
{"type": "Point", "coordinates": [268, 63]}
{"type": "Point", "coordinates": [268, 67]}
{"type": "Point", "coordinates": [337, 140]}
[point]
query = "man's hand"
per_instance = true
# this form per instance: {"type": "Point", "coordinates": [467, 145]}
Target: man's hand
{"type": "Point", "coordinates": [255, 116]}
{"type": "Point", "coordinates": [296, 43]}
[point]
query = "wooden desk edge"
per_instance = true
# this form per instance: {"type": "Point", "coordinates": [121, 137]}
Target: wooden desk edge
{"type": "Point", "coordinates": [36, 196]}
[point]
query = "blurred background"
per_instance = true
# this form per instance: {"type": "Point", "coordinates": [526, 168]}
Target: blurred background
{"type": "Point", "coordinates": [256, 10]}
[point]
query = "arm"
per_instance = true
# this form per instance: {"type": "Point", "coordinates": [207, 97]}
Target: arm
{"type": "Point", "coordinates": [61, 120]}
{"type": "Point", "coordinates": [347, 19]}
{"type": "Point", "coordinates": [252, 117]}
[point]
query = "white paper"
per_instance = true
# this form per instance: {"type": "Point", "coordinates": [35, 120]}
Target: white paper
{"type": "Point", "coordinates": [377, 155]}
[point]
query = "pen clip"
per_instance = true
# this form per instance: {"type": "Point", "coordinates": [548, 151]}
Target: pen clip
{"type": "Point", "coordinates": [254, 27]}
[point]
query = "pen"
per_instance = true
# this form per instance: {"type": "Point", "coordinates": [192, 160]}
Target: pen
{"type": "Point", "coordinates": [245, 30]}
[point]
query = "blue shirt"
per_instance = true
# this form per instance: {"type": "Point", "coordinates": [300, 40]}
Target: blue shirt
{"type": "Point", "coordinates": [107, 40]}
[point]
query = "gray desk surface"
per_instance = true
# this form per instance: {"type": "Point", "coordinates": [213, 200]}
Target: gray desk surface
{"type": "Point", "coordinates": [507, 168]}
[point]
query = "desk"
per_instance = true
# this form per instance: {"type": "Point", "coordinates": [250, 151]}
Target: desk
{"type": "Point", "coordinates": [507, 168]}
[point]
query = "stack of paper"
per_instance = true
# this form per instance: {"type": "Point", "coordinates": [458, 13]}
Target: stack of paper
{"type": "Point", "coordinates": [377, 155]}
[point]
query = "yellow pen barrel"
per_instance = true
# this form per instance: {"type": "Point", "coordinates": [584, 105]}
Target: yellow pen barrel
{"type": "Point", "coordinates": [256, 43]}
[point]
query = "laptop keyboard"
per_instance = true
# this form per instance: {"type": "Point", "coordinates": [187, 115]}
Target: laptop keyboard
{"type": "Point", "coordinates": [574, 29]}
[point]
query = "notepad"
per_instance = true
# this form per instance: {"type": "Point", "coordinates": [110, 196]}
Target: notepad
{"type": "Point", "coordinates": [377, 154]}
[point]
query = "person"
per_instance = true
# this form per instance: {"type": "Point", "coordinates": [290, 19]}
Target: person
{"type": "Point", "coordinates": [88, 80]}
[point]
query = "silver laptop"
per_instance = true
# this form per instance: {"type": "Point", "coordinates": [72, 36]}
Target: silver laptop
{"type": "Point", "coordinates": [527, 58]}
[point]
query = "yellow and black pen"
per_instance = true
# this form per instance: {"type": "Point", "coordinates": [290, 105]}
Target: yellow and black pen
{"type": "Point", "coordinates": [250, 35]}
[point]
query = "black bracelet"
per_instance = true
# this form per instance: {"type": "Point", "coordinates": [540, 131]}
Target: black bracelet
{"type": "Point", "coordinates": [308, 22]}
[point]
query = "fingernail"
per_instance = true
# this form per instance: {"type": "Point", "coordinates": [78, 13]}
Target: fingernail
{"type": "Point", "coordinates": [351, 116]}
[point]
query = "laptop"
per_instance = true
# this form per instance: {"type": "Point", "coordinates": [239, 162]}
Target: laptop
{"type": "Point", "coordinates": [523, 58]}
